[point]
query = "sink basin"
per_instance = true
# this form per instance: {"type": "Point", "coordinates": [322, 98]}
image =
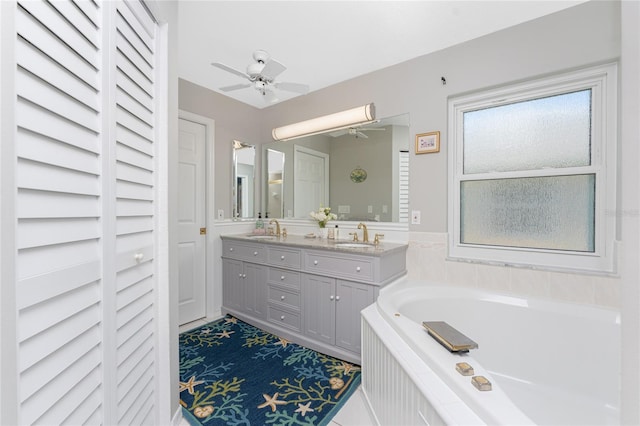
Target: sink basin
{"type": "Point", "coordinates": [262, 237]}
{"type": "Point", "coordinates": [354, 245]}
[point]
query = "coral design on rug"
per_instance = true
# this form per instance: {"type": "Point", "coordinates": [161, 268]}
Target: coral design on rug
{"type": "Point", "coordinates": [232, 373]}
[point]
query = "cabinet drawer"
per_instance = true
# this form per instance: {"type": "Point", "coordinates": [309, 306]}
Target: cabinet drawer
{"type": "Point", "coordinates": [284, 318]}
{"type": "Point", "coordinates": [360, 269]}
{"type": "Point", "coordinates": [234, 250]}
{"type": "Point", "coordinates": [284, 257]}
{"type": "Point", "coordinates": [284, 277]}
{"type": "Point", "coordinates": [290, 298]}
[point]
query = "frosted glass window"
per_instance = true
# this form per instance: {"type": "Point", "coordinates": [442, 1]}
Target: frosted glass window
{"type": "Point", "coordinates": [548, 132]}
{"type": "Point", "coordinates": [556, 212]}
{"type": "Point", "coordinates": [532, 172]}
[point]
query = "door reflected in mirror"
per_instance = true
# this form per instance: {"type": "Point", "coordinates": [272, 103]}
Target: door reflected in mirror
{"type": "Point", "coordinates": [366, 177]}
{"type": "Point", "coordinates": [275, 180]}
{"type": "Point", "coordinates": [243, 180]}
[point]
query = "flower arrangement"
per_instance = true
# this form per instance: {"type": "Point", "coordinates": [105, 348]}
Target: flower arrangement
{"type": "Point", "coordinates": [323, 215]}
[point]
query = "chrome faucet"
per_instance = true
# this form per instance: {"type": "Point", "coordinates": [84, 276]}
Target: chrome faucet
{"type": "Point", "coordinates": [365, 233]}
{"type": "Point", "coordinates": [271, 222]}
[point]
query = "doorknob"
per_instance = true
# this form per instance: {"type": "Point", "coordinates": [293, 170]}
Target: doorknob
{"type": "Point", "coordinates": [203, 231]}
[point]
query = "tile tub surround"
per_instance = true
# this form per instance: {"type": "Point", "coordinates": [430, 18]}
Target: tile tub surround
{"type": "Point", "coordinates": [427, 261]}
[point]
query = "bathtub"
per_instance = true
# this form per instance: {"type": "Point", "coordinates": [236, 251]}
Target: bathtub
{"type": "Point", "coordinates": [549, 363]}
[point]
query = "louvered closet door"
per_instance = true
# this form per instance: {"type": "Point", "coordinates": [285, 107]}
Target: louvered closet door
{"type": "Point", "coordinates": [85, 213]}
{"type": "Point", "coordinates": [134, 200]}
{"type": "Point", "coordinates": [58, 175]}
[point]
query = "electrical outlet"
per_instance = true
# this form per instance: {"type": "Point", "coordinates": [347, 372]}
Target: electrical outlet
{"type": "Point", "coordinates": [220, 214]}
{"type": "Point", "coordinates": [415, 217]}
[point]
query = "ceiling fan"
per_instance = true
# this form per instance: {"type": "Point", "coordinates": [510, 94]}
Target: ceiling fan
{"type": "Point", "coordinates": [261, 75]}
{"type": "Point", "coordinates": [356, 131]}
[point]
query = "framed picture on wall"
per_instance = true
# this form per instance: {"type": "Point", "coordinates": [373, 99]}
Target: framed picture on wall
{"type": "Point", "coordinates": [427, 143]}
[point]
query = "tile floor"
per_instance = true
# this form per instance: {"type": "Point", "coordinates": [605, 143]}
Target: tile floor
{"type": "Point", "coordinates": [353, 413]}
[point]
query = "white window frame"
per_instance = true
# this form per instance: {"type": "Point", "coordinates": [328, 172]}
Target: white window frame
{"type": "Point", "coordinates": [602, 80]}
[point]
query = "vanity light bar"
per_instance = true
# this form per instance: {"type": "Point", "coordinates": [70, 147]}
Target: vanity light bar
{"type": "Point", "coordinates": [339, 120]}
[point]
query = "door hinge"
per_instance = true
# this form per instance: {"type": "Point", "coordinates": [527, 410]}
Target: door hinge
{"type": "Point", "coordinates": [203, 231]}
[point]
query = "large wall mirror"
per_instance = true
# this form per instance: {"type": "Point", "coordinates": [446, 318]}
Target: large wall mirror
{"type": "Point", "coordinates": [242, 193]}
{"type": "Point", "coordinates": [361, 173]}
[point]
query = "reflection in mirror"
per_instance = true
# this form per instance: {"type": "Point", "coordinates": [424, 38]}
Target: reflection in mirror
{"type": "Point", "coordinates": [275, 179]}
{"type": "Point", "coordinates": [243, 179]}
{"type": "Point", "coordinates": [367, 167]}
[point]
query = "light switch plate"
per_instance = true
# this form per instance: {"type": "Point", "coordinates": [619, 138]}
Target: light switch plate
{"type": "Point", "coordinates": [220, 214]}
{"type": "Point", "coordinates": [415, 217]}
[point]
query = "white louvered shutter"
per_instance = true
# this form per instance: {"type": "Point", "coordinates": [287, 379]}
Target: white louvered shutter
{"type": "Point", "coordinates": [85, 212]}
{"type": "Point", "coordinates": [403, 194]}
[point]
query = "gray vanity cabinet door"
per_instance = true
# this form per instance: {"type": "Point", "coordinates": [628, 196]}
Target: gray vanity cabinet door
{"type": "Point", "coordinates": [232, 280]}
{"type": "Point", "coordinates": [351, 298]}
{"type": "Point", "coordinates": [319, 307]}
{"type": "Point", "coordinates": [254, 290]}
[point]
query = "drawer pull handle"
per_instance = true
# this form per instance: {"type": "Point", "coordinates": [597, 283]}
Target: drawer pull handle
{"type": "Point", "coordinates": [138, 257]}
{"type": "Point", "coordinates": [282, 278]}
{"type": "Point", "coordinates": [255, 253]}
{"type": "Point", "coordinates": [231, 249]}
{"type": "Point", "coordinates": [244, 275]}
{"type": "Point", "coordinates": [331, 297]}
{"type": "Point", "coordinates": [337, 298]}
{"type": "Point", "coordinates": [357, 269]}
{"type": "Point", "coordinates": [282, 317]}
{"type": "Point", "coordinates": [282, 257]}
{"type": "Point", "coordinates": [315, 262]}
{"type": "Point", "coordinates": [239, 275]}
{"type": "Point", "coordinates": [281, 297]}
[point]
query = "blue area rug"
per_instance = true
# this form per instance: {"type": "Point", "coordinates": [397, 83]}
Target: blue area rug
{"type": "Point", "coordinates": [232, 373]}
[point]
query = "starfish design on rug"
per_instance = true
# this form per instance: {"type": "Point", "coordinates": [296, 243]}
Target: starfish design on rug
{"type": "Point", "coordinates": [346, 368]}
{"type": "Point", "coordinates": [304, 408]}
{"type": "Point", "coordinates": [271, 401]}
{"type": "Point", "coordinates": [282, 342]}
{"type": "Point", "coordinates": [225, 333]}
{"type": "Point", "coordinates": [231, 320]}
{"type": "Point", "coordinates": [206, 331]}
{"type": "Point", "coordinates": [188, 385]}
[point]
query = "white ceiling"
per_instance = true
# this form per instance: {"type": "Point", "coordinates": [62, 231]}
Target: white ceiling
{"type": "Point", "coordinates": [325, 42]}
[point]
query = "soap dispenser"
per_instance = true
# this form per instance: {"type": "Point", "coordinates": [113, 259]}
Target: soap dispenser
{"type": "Point", "coordinates": [259, 224]}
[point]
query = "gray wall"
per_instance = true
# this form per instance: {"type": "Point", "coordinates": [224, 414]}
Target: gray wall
{"type": "Point", "coordinates": [585, 34]}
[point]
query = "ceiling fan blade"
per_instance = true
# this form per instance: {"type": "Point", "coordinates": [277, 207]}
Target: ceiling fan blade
{"type": "Point", "coordinates": [338, 133]}
{"type": "Point", "coordinates": [235, 87]}
{"type": "Point", "coordinates": [231, 70]}
{"type": "Point", "coordinates": [272, 69]}
{"type": "Point", "coordinates": [269, 97]}
{"type": "Point", "coordinates": [293, 87]}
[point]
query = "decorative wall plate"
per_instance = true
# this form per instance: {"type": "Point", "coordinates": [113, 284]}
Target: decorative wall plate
{"type": "Point", "coordinates": [358, 175]}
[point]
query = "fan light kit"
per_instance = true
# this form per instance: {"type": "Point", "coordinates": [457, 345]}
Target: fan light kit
{"type": "Point", "coordinates": [339, 120]}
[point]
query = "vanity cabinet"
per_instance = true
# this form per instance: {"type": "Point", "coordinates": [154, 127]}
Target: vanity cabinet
{"type": "Point", "coordinates": [305, 292]}
{"type": "Point", "coordinates": [243, 287]}
{"type": "Point", "coordinates": [332, 310]}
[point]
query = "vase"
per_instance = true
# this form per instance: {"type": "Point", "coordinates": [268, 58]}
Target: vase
{"type": "Point", "coordinates": [322, 232]}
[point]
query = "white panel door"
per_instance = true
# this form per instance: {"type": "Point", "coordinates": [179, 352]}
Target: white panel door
{"type": "Point", "coordinates": [311, 187]}
{"type": "Point", "coordinates": [191, 218]}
